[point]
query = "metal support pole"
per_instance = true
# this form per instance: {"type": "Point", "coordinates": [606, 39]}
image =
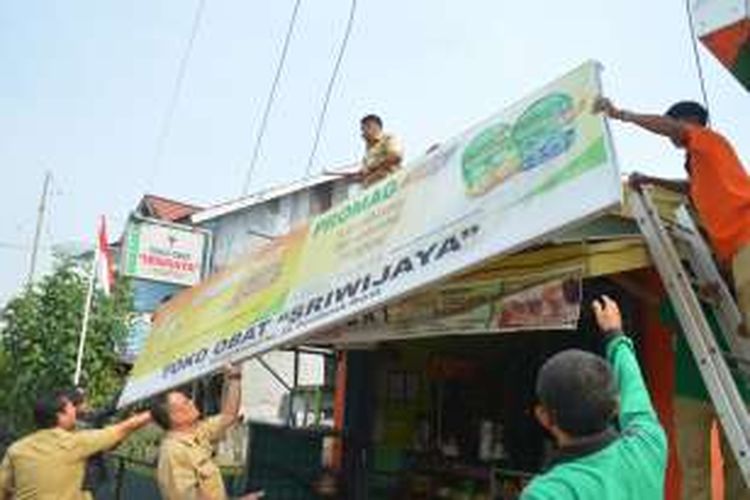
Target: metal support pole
{"type": "Point", "coordinates": [85, 322]}
{"type": "Point", "coordinates": [273, 373]}
{"type": "Point", "coordinates": [38, 230]}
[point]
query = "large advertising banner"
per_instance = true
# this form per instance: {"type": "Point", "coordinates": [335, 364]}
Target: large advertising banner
{"type": "Point", "coordinates": [537, 167]}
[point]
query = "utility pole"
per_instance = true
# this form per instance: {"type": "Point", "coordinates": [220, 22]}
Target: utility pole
{"type": "Point", "coordinates": [39, 225]}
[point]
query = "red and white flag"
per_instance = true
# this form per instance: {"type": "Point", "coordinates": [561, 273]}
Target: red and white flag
{"type": "Point", "coordinates": [105, 271]}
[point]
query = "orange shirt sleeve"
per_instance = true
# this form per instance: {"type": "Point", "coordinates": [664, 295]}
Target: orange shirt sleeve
{"type": "Point", "coordinates": [697, 139]}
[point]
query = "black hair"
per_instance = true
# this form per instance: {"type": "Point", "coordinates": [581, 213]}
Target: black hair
{"type": "Point", "coordinates": [685, 110]}
{"type": "Point", "coordinates": [372, 118]}
{"type": "Point", "coordinates": [47, 407]}
{"type": "Point", "coordinates": [160, 411]}
{"type": "Point", "coordinates": [578, 389]}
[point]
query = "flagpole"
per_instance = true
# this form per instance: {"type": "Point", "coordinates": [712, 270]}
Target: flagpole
{"type": "Point", "coordinates": [86, 313]}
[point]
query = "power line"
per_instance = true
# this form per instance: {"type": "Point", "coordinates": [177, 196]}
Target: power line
{"type": "Point", "coordinates": [271, 98]}
{"type": "Point", "coordinates": [697, 56]}
{"type": "Point", "coordinates": [331, 82]}
{"type": "Point", "coordinates": [166, 125]}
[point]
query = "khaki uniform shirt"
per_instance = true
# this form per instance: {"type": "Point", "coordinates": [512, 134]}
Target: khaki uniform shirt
{"type": "Point", "coordinates": [186, 467]}
{"type": "Point", "coordinates": [49, 464]}
{"type": "Point", "coordinates": [372, 169]}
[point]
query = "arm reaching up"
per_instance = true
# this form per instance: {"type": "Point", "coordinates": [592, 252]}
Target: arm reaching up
{"type": "Point", "coordinates": [636, 409]}
{"type": "Point", "coordinates": [93, 442]}
{"type": "Point", "coordinates": [657, 124]}
{"type": "Point", "coordinates": [230, 405]}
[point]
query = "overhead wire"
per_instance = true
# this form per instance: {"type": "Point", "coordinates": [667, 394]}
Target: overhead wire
{"type": "Point", "coordinates": [271, 98]}
{"type": "Point", "coordinates": [331, 83]}
{"type": "Point", "coordinates": [697, 56]}
{"type": "Point", "coordinates": [166, 125]}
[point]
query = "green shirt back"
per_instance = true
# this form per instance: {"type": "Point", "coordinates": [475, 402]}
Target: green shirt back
{"type": "Point", "coordinates": [630, 467]}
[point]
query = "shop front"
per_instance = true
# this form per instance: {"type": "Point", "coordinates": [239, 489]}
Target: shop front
{"type": "Point", "coordinates": [446, 411]}
{"type": "Point", "coordinates": [443, 408]}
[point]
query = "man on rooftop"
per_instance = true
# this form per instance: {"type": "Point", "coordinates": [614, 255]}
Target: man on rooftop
{"type": "Point", "coordinates": [383, 153]}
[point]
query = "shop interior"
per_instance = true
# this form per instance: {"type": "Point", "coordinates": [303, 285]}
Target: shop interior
{"type": "Point", "coordinates": [453, 416]}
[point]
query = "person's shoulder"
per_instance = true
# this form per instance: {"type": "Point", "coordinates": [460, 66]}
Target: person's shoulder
{"type": "Point", "coordinates": [649, 436]}
{"type": "Point", "coordinates": [22, 443]}
{"type": "Point", "coordinates": [548, 486]}
{"type": "Point", "coordinates": [211, 428]}
{"type": "Point", "coordinates": [172, 449]}
{"type": "Point", "coordinates": [393, 143]}
{"type": "Point", "coordinates": [390, 138]}
{"type": "Point", "coordinates": [56, 435]}
{"type": "Point", "coordinates": [697, 136]}
{"type": "Point", "coordinates": [44, 439]}
{"type": "Point", "coordinates": [211, 422]}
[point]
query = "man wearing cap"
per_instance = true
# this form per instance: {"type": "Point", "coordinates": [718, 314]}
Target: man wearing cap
{"type": "Point", "coordinates": [50, 463]}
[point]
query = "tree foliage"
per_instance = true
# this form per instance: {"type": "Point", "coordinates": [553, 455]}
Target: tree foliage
{"type": "Point", "coordinates": [39, 332]}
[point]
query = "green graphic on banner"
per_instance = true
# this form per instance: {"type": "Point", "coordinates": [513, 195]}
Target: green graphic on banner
{"type": "Point", "coordinates": [544, 131]}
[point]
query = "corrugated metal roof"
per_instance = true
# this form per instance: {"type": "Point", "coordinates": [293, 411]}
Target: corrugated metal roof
{"type": "Point", "coordinates": [166, 209]}
{"type": "Point", "coordinates": [261, 197]}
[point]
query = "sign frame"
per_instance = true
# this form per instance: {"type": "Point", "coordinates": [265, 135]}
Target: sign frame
{"type": "Point", "coordinates": [205, 252]}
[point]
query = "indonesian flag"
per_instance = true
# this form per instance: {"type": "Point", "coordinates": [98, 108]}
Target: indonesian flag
{"type": "Point", "coordinates": [105, 274]}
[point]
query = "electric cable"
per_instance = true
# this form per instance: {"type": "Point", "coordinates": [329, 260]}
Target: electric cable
{"type": "Point", "coordinates": [168, 119]}
{"type": "Point", "coordinates": [271, 98]}
{"type": "Point", "coordinates": [331, 83]}
{"type": "Point", "coordinates": [697, 57]}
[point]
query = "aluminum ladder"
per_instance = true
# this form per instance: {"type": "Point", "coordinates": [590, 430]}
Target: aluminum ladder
{"type": "Point", "coordinates": [684, 261]}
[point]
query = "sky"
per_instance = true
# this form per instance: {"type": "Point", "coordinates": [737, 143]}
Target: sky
{"type": "Point", "coordinates": [84, 88]}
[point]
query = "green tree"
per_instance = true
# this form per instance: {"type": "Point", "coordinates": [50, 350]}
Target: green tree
{"type": "Point", "coordinates": [39, 332]}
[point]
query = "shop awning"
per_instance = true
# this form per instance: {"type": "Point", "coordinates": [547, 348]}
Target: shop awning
{"type": "Point", "coordinates": [538, 289]}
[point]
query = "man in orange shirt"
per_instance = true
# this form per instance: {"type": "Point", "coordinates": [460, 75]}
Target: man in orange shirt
{"type": "Point", "coordinates": [719, 188]}
{"type": "Point", "coordinates": [718, 184]}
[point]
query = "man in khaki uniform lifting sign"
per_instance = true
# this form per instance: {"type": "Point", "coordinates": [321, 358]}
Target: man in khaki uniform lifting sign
{"type": "Point", "coordinates": [49, 464]}
{"type": "Point", "coordinates": [186, 468]}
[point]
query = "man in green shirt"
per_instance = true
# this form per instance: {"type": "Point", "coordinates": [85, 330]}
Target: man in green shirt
{"type": "Point", "coordinates": [694, 415]}
{"type": "Point", "coordinates": [580, 394]}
